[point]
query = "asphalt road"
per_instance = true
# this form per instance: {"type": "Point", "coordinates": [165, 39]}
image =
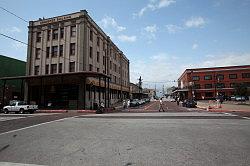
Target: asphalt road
{"type": "Point", "coordinates": [137, 137]}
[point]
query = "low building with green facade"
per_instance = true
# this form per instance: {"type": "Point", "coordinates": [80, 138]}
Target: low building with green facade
{"type": "Point", "coordinates": [10, 67]}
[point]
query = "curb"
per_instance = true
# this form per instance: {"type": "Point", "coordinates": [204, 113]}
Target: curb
{"type": "Point", "coordinates": [52, 111]}
{"type": "Point", "coordinates": [204, 108]}
{"type": "Point", "coordinates": [86, 111]}
{"type": "Point", "coordinates": [220, 110]}
{"type": "Point", "coordinates": [106, 110]}
{"type": "Point", "coordinates": [213, 110]}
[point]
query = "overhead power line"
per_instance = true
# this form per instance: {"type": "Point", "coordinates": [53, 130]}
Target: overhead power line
{"type": "Point", "coordinates": [14, 14]}
{"type": "Point", "coordinates": [28, 22]}
{"type": "Point", "coordinates": [77, 45]}
{"type": "Point", "coordinates": [50, 53]}
{"type": "Point", "coordinates": [14, 39]}
{"type": "Point", "coordinates": [160, 82]}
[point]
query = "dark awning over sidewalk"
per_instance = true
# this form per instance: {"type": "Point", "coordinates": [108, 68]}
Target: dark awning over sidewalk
{"type": "Point", "coordinates": [84, 73]}
{"type": "Point", "coordinates": [60, 78]}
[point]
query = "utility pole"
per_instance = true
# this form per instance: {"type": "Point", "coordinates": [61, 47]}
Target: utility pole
{"type": "Point", "coordinates": [140, 87]}
{"type": "Point", "coordinates": [163, 91]}
{"type": "Point", "coordinates": [155, 91]}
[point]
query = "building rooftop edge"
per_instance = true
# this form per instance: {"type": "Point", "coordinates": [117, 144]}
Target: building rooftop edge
{"type": "Point", "coordinates": [85, 12]}
{"type": "Point", "coordinates": [218, 67]}
{"type": "Point", "coordinates": [12, 58]}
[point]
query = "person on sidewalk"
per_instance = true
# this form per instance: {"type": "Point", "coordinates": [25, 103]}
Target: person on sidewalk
{"type": "Point", "coordinates": [161, 106]}
{"type": "Point", "coordinates": [124, 104]}
{"type": "Point", "coordinates": [128, 104]}
{"type": "Point", "coordinates": [178, 101]}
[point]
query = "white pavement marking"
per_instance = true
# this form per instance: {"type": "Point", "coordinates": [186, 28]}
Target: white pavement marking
{"type": "Point", "coordinates": [237, 115]}
{"type": "Point", "coordinates": [17, 164]}
{"type": "Point", "coordinates": [9, 118]}
{"type": "Point", "coordinates": [149, 106]}
{"type": "Point", "coordinates": [226, 113]}
{"type": "Point", "coordinates": [12, 131]}
{"type": "Point", "coordinates": [246, 118]}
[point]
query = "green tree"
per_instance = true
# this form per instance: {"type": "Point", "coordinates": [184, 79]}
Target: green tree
{"type": "Point", "coordinates": [240, 89]}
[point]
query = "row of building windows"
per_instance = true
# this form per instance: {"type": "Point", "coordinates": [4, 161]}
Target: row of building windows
{"type": "Point", "coordinates": [112, 65]}
{"type": "Point", "coordinates": [97, 40]}
{"type": "Point", "coordinates": [53, 68]}
{"type": "Point", "coordinates": [117, 80]}
{"type": "Point", "coordinates": [54, 51]}
{"type": "Point", "coordinates": [221, 76]}
{"type": "Point", "coordinates": [55, 33]}
{"type": "Point", "coordinates": [114, 55]}
{"type": "Point", "coordinates": [218, 85]}
{"type": "Point", "coordinates": [114, 79]}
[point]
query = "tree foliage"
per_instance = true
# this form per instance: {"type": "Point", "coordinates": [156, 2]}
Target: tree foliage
{"type": "Point", "coordinates": [240, 89]}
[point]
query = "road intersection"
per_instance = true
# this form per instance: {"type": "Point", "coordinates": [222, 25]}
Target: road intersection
{"type": "Point", "coordinates": [138, 136]}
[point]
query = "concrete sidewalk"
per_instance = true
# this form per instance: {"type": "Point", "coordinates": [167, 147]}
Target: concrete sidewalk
{"type": "Point", "coordinates": [225, 107]}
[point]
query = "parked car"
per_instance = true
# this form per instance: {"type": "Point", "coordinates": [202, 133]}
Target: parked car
{"type": "Point", "coordinates": [134, 103]}
{"type": "Point", "coordinates": [240, 98]}
{"type": "Point", "coordinates": [189, 103]}
{"type": "Point", "coordinates": [232, 98]}
{"type": "Point", "coordinates": [172, 100]}
{"type": "Point", "coordinates": [20, 107]}
{"type": "Point", "coordinates": [141, 102]}
{"type": "Point", "coordinates": [147, 100]}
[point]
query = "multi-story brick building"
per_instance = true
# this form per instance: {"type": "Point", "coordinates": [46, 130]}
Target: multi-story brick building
{"type": "Point", "coordinates": [207, 83]}
{"type": "Point", "coordinates": [72, 63]}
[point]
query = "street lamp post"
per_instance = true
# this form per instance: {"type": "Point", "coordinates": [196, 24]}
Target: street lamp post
{"type": "Point", "coordinates": [191, 85]}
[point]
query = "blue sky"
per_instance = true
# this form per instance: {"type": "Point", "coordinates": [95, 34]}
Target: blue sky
{"type": "Point", "coordinates": [161, 38]}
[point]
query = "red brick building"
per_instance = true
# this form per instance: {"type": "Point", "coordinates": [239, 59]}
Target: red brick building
{"type": "Point", "coordinates": [207, 83]}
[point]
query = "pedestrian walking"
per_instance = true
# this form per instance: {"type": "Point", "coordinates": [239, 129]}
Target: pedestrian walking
{"type": "Point", "coordinates": [161, 106]}
{"type": "Point", "coordinates": [178, 101]}
{"type": "Point", "coordinates": [128, 103]}
{"type": "Point", "coordinates": [124, 104]}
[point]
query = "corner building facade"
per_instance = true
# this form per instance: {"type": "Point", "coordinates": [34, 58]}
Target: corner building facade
{"type": "Point", "coordinates": [208, 83]}
{"type": "Point", "coordinates": [71, 60]}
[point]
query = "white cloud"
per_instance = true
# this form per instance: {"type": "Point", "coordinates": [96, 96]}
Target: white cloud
{"type": "Point", "coordinates": [221, 60]}
{"type": "Point", "coordinates": [194, 46]}
{"type": "Point", "coordinates": [163, 67]}
{"type": "Point", "coordinates": [125, 38]}
{"type": "Point", "coordinates": [108, 22]}
{"type": "Point", "coordinates": [151, 29]}
{"type": "Point", "coordinates": [149, 32]}
{"type": "Point", "coordinates": [195, 22]}
{"type": "Point", "coordinates": [17, 45]}
{"type": "Point", "coordinates": [228, 59]}
{"type": "Point", "coordinates": [173, 28]}
{"type": "Point", "coordinates": [13, 29]}
{"type": "Point", "coordinates": [160, 68]}
{"type": "Point", "coordinates": [154, 5]}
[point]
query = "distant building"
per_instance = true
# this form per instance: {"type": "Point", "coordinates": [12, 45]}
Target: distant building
{"type": "Point", "coordinates": [170, 90]}
{"type": "Point", "coordinates": [207, 83]}
{"type": "Point", "coordinates": [137, 93]}
{"type": "Point", "coordinates": [13, 88]}
{"type": "Point", "coordinates": [148, 93]}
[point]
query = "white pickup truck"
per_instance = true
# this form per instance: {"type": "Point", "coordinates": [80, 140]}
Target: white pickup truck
{"type": "Point", "coordinates": [20, 107]}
